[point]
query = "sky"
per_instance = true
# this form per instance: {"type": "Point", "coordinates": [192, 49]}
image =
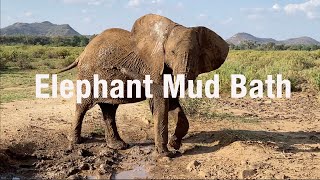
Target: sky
{"type": "Point", "coordinates": [279, 19]}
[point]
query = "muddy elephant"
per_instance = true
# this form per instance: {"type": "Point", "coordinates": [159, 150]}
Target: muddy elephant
{"type": "Point", "coordinates": [155, 46]}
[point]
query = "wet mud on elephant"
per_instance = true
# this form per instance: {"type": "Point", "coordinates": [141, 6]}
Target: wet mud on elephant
{"type": "Point", "coordinates": [155, 46]}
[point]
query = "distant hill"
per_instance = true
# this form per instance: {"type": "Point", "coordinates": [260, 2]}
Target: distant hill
{"type": "Point", "coordinates": [243, 37]}
{"type": "Point", "coordinates": [301, 40]}
{"type": "Point", "coordinates": [45, 28]}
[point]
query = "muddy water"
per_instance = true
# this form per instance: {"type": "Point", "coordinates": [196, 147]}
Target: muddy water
{"type": "Point", "coordinates": [138, 172]}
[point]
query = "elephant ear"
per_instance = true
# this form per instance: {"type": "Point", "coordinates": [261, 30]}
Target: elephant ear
{"type": "Point", "coordinates": [149, 34]}
{"type": "Point", "coordinates": [213, 49]}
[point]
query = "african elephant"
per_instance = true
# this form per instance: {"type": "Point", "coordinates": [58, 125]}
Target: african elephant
{"type": "Point", "coordinates": [155, 46]}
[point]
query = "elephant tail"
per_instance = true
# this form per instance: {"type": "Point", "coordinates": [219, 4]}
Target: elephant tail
{"type": "Point", "coordinates": [71, 66]}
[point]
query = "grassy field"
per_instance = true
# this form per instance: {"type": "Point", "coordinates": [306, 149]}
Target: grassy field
{"type": "Point", "coordinates": [302, 68]}
{"type": "Point", "coordinates": [19, 64]}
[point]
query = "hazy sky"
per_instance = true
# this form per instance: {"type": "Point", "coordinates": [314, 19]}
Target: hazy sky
{"type": "Point", "coordinates": [263, 18]}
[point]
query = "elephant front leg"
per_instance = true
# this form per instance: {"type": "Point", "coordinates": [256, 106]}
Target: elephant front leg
{"type": "Point", "coordinates": [160, 117]}
{"type": "Point", "coordinates": [182, 124]}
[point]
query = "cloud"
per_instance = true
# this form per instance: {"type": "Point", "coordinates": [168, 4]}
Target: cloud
{"type": "Point", "coordinates": [74, 1]}
{"type": "Point", "coordinates": [88, 2]}
{"type": "Point", "coordinates": [28, 14]}
{"type": "Point", "coordinates": [95, 2]}
{"type": "Point", "coordinates": [202, 15]}
{"type": "Point", "coordinates": [276, 7]}
{"type": "Point", "coordinates": [259, 13]}
{"type": "Point", "coordinates": [252, 10]}
{"type": "Point", "coordinates": [139, 3]}
{"type": "Point", "coordinates": [227, 21]}
{"type": "Point", "coordinates": [87, 19]}
{"type": "Point", "coordinates": [156, 1]}
{"type": "Point", "coordinates": [134, 3]}
{"type": "Point", "coordinates": [311, 8]}
{"type": "Point", "coordinates": [254, 16]}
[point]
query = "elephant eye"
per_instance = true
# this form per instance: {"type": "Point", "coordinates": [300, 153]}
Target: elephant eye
{"type": "Point", "coordinates": [173, 52]}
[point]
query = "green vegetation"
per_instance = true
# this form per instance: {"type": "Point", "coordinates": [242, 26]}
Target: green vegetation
{"type": "Point", "coordinates": [302, 68]}
{"type": "Point", "coordinates": [249, 45]}
{"type": "Point", "coordinates": [202, 109]}
{"type": "Point", "coordinates": [19, 64]}
{"type": "Point", "coordinates": [75, 41]}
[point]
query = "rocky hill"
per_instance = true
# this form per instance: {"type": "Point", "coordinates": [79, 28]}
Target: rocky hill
{"type": "Point", "coordinates": [45, 28]}
{"type": "Point", "coordinates": [243, 37]}
{"type": "Point", "coordinates": [301, 40]}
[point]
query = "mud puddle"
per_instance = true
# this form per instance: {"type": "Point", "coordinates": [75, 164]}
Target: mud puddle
{"type": "Point", "coordinates": [138, 172]}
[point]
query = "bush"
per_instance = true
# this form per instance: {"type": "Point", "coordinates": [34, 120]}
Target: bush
{"type": "Point", "coordinates": [62, 53]}
{"type": "Point", "coordinates": [301, 67]}
{"type": "Point", "coordinates": [38, 53]}
{"type": "Point", "coordinates": [3, 63]}
{"type": "Point", "coordinates": [66, 62]}
{"type": "Point", "coordinates": [197, 107]}
{"type": "Point", "coordinates": [24, 62]}
{"type": "Point", "coordinates": [3, 59]}
{"type": "Point", "coordinates": [49, 65]}
{"type": "Point", "coordinates": [58, 53]}
{"type": "Point", "coordinates": [317, 81]}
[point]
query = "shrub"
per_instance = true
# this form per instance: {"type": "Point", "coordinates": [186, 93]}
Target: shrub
{"type": "Point", "coordinates": [62, 53]}
{"type": "Point", "coordinates": [49, 65]}
{"type": "Point", "coordinates": [197, 107]}
{"type": "Point", "coordinates": [3, 63]}
{"type": "Point", "coordinates": [38, 53]}
{"type": "Point", "coordinates": [23, 61]}
{"type": "Point", "coordinates": [300, 67]}
{"type": "Point", "coordinates": [58, 53]}
{"type": "Point", "coordinates": [67, 61]}
{"type": "Point", "coordinates": [3, 59]}
{"type": "Point", "coordinates": [317, 81]}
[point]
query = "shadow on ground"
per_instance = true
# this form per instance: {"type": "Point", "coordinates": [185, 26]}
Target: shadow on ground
{"type": "Point", "coordinates": [281, 141]}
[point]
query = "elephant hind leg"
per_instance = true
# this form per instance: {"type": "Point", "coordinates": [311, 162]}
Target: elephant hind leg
{"type": "Point", "coordinates": [81, 109]}
{"type": "Point", "coordinates": [182, 126]}
{"type": "Point", "coordinates": [111, 132]}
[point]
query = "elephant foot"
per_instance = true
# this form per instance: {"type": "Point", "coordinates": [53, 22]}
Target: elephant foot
{"type": "Point", "coordinates": [117, 144]}
{"type": "Point", "coordinates": [158, 155]}
{"type": "Point", "coordinates": [163, 152]}
{"type": "Point", "coordinates": [75, 139]}
{"type": "Point", "coordinates": [175, 143]}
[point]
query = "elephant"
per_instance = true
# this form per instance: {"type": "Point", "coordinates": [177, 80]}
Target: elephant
{"type": "Point", "coordinates": [155, 46]}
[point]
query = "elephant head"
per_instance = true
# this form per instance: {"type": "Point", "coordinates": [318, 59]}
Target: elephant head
{"type": "Point", "coordinates": [168, 46]}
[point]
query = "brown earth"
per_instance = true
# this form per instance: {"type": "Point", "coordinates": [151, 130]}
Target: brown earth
{"type": "Point", "coordinates": [246, 139]}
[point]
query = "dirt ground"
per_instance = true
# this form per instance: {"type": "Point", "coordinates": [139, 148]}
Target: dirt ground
{"type": "Point", "coordinates": [249, 139]}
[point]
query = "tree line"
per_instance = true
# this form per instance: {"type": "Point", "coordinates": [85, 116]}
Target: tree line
{"type": "Point", "coordinates": [75, 41]}
{"type": "Point", "coordinates": [81, 41]}
{"type": "Point", "coordinates": [249, 45]}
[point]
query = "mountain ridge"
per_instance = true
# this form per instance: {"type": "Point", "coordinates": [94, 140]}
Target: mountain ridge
{"type": "Point", "coordinates": [246, 37]}
{"type": "Point", "coordinates": [45, 28]}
